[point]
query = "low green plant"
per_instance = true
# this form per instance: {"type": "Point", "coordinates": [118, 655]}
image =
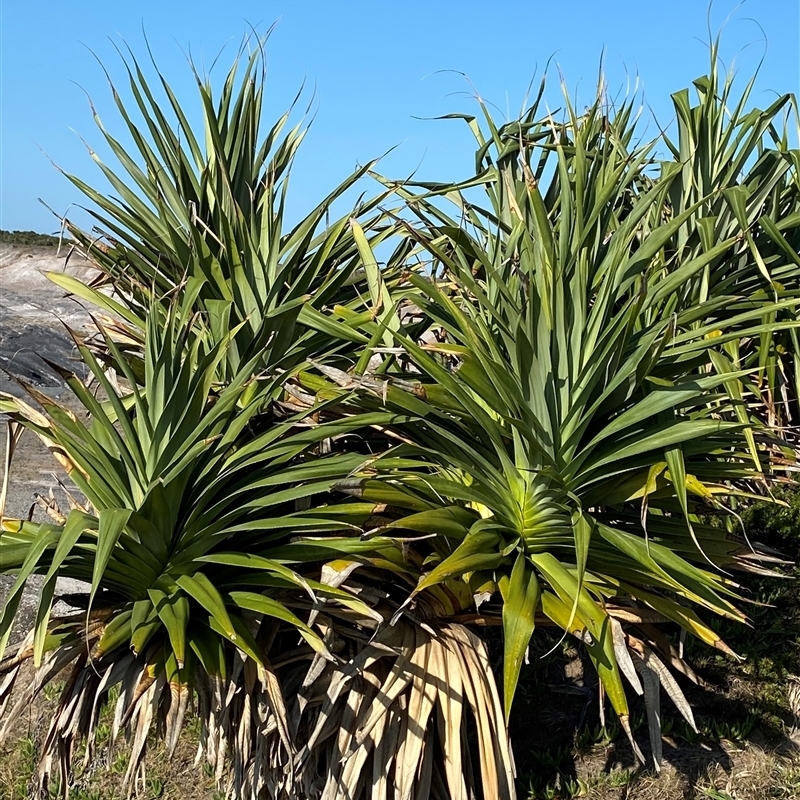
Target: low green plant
{"type": "Point", "coordinates": [575, 418]}
{"type": "Point", "coordinates": [715, 794]}
{"type": "Point", "coordinates": [183, 506]}
{"type": "Point", "coordinates": [89, 794]}
{"type": "Point", "coordinates": [786, 785]}
{"type": "Point", "coordinates": [120, 761]}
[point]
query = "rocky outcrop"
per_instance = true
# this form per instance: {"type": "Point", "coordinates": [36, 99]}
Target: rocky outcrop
{"type": "Point", "coordinates": [33, 312]}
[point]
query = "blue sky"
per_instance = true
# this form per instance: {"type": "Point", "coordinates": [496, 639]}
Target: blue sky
{"type": "Point", "coordinates": [374, 69]}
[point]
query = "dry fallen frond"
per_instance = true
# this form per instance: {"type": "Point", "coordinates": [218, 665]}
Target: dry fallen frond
{"type": "Point", "coordinates": [402, 712]}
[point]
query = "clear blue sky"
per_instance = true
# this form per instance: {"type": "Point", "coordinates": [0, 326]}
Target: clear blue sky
{"type": "Point", "coordinates": [374, 67]}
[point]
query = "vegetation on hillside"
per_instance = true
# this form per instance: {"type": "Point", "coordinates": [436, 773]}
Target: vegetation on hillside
{"type": "Point", "coordinates": [28, 239]}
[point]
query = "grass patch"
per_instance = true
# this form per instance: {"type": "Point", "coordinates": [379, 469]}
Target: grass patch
{"type": "Point", "coordinates": [165, 779]}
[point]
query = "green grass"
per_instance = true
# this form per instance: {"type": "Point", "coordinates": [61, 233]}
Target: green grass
{"type": "Point", "coordinates": [175, 779]}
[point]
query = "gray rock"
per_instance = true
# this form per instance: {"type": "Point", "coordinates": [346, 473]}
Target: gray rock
{"type": "Point", "coordinates": [32, 310]}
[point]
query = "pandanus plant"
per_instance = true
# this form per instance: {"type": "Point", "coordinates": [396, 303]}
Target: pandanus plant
{"type": "Point", "coordinates": [219, 541]}
{"type": "Point", "coordinates": [211, 514]}
{"type": "Point", "coordinates": [307, 473]}
{"type": "Point", "coordinates": [182, 485]}
{"type": "Point", "coordinates": [203, 212]}
{"type": "Point", "coordinates": [582, 424]}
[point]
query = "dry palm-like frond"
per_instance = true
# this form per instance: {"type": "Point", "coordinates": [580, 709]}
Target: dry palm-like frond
{"type": "Point", "coordinates": [394, 720]}
{"type": "Point", "coordinates": [441, 678]}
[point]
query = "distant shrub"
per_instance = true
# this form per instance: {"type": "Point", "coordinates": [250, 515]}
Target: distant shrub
{"type": "Point", "coordinates": [774, 525]}
{"type": "Point", "coordinates": [28, 238]}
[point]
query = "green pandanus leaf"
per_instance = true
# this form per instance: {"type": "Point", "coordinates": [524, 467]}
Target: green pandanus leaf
{"type": "Point", "coordinates": [601, 651]}
{"type": "Point", "coordinates": [144, 623]}
{"type": "Point", "coordinates": [77, 522]}
{"type": "Point", "coordinates": [269, 607]}
{"type": "Point", "coordinates": [110, 527]}
{"type": "Point", "coordinates": [173, 611]}
{"type": "Point", "coordinates": [46, 537]}
{"type": "Point", "coordinates": [589, 617]}
{"type": "Point", "coordinates": [117, 633]}
{"type": "Point", "coordinates": [478, 551]}
{"type": "Point", "coordinates": [520, 594]}
{"type": "Point", "coordinates": [201, 589]}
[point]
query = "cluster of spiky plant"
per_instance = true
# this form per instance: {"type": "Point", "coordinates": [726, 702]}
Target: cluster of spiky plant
{"type": "Point", "coordinates": [306, 474]}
